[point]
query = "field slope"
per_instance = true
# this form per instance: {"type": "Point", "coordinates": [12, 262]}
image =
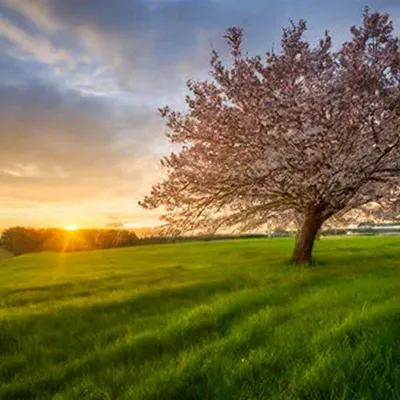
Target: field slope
{"type": "Point", "coordinates": [216, 320]}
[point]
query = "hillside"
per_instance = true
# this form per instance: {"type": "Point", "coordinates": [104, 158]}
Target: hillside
{"type": "Point", "coordinates": [213, 320]}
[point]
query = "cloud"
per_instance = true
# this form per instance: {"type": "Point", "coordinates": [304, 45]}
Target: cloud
{"type": "Point", "coordinates": [33, 171]}
{"type": "Point", "coordinates": [81, 81]}
{"type": "Point", "coordinates": [38, 47]}
{"type": "Point", "coordinates": [35, 11]}
{"type": "Point", "coordinates": [58, 145]}
{"type": "Point", "coordinates": [53, 124]}
{"type": "Point", "coordinates": [146, 43]}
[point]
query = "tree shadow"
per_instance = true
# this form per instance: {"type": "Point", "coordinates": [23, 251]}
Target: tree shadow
{"type": "Point", "coordinates": [99, 335]}
{"type": "Point", "coordinates": [198, 313]}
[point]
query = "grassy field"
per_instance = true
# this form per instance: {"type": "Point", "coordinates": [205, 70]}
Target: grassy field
{"type": "Point", "coordinates": [216, 320]}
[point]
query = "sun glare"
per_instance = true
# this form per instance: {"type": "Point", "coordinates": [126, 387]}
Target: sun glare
{"type": "Point", "coordinates": [72, 228]}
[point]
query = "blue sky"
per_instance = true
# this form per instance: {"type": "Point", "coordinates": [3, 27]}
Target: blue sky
{"type": "Point", "coordinates": [81, 81]}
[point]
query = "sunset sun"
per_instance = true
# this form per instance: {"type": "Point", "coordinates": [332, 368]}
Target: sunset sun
{"type": "Point", "coordinates": [71, 228]}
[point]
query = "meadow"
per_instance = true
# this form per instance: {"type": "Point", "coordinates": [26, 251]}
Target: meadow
{"type": "Point", "coordinates": [205, 320]}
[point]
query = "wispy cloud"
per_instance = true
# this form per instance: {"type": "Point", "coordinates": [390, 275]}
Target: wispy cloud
{"type": "Point", "coordinates": [38, 47]}
{"type": "Point", "coordinates": [35, 11]}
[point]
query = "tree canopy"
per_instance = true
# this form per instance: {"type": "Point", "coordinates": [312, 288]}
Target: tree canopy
{"type": "Point", "coordinates": [300, 135]}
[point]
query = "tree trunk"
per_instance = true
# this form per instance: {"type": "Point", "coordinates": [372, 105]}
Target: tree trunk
{"type": "Point", "coordinates": [305, 238]}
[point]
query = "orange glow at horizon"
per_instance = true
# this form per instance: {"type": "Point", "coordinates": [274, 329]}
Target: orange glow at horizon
{"type": "Point", "coordinates": [71, 228]}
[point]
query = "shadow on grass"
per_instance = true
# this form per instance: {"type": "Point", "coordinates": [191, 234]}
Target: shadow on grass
{"type": "Point", "coordinates": [207, 312]}
{"type": "Point", "coordinates": [160, 328]}
{"type": "Point", "coordinates": [360, 361]}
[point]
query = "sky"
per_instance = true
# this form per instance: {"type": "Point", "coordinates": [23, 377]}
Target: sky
{"type": "Point", "coordinates": [81, 82]}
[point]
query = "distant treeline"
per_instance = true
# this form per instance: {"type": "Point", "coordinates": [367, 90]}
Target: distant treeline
{"type": "Point", "coordinates": [198, 238]}
{"type": "Point", "coordinates": [20, 240]}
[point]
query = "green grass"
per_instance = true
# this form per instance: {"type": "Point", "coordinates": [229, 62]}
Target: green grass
{"type": "Point", "coordinates": [216, 320]}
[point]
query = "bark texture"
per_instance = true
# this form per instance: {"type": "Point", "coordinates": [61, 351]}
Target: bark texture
{"type": "Point", "coordinates": [305, 238]}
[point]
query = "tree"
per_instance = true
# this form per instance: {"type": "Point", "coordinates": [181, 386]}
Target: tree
{"type": "Point", "coordinates": [302, 135]}
{"type": "Point", "coordinates": [19, 240]}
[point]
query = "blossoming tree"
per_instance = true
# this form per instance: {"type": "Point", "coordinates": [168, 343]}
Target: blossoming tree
{"type": "Point", "coordinates": [301, 135]}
